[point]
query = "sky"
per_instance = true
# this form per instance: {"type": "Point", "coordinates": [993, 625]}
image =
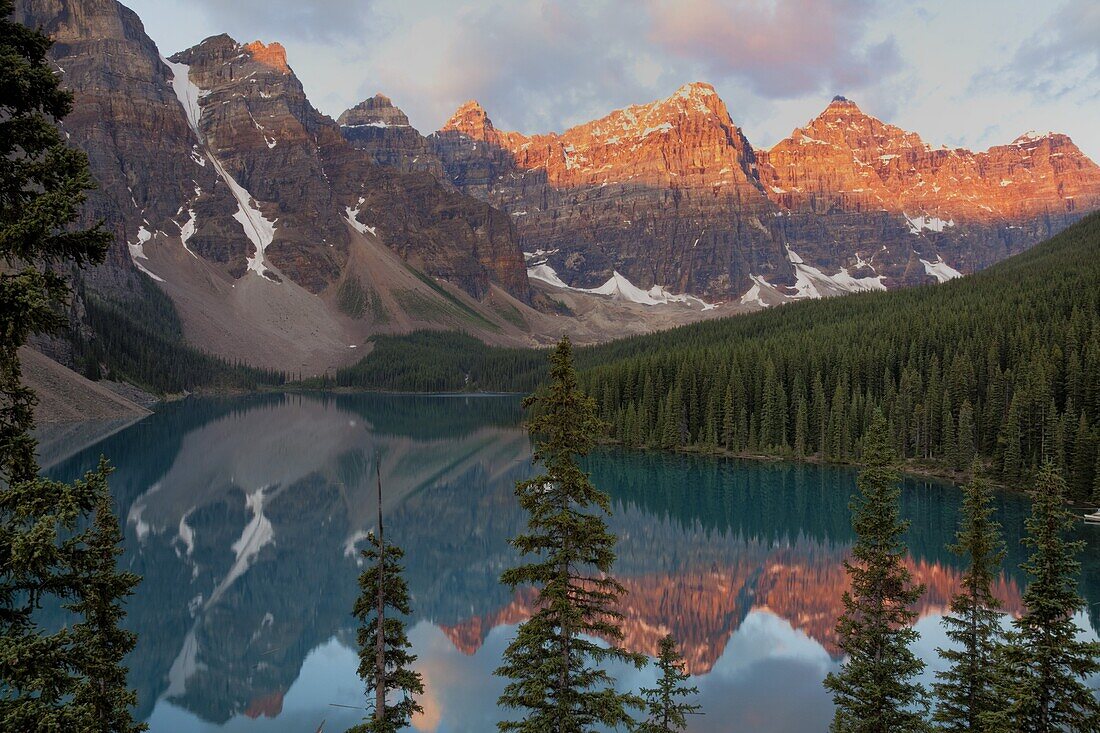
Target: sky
{"type": "Point", "coordinates": [970, 73]}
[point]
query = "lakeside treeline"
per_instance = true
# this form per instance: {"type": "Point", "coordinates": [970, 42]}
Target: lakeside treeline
{"type": "Point", "coordinates": [1003, 366]}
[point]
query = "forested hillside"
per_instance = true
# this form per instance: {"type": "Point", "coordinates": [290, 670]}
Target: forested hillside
{"type": "Point", "coordinates": [140, 340]}
{"type": "Point", "coordinates": [1004, 365]}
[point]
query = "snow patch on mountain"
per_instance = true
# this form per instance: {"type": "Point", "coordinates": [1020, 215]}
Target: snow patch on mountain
{"type": "Point", "coordinates": [813, 283]}
{"type": "Point", "coordinates": [258, 228]}
{"type": "Point", "coordinates": [187, 230]}
{"type": "Point", "coordinates": [137, 252]}
{"type": "Point", "coordinates": [755, 294]}
{"type": "Point", "coordinates": [940, 270]}
{"type": "Point", "coordinates": [187, 92]}
{"type": "Point", "coordinates": [547, 274]}
{"type": "Point", "coordinates": [352, 216]}
{"type": "Point", "coordinates": [931, 223]}
{"type": "Point", "coordinates": [618, 287]}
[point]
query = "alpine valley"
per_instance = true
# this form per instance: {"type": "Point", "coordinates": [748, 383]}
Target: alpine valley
{"type": "Point", "coordinates": [253, 228]}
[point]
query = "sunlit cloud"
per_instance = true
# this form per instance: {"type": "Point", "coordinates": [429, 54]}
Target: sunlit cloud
{"type": "Point", "coordinates": [958, 73]}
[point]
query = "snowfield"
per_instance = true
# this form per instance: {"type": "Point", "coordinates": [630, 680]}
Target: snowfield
{"type": "Point", "coordinates": [618, 287]}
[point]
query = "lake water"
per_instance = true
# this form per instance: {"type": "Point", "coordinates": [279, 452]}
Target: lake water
{"type": "Point", "coordinates": [243, 515]}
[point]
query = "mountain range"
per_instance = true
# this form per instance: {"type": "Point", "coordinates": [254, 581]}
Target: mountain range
{"type": "Point", "coordinates": [285, 239]}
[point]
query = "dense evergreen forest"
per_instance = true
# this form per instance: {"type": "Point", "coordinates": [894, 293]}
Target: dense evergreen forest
{"type": "Point", "coordinates": [442, 361]}
{"type": "Point", "coordinates": [1003, 365]}
{"type": "Point", "coordinates": [141, 341]}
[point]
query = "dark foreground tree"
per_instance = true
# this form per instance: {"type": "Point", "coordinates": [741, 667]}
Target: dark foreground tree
{"type": "Point", "coordinates": [966, 693]}
{"type": "Point", "coordinates": [553, 664]}
{"type": "Point", "coordinates": [875, 690]}
{"type": "Point", "coordinates": [1046, 665]}
{"type": "Point", "coordinates": [666, 704]}
{"type": "Point", "coordinates": [384, 658]}
{"type": "Point", "coordinates": [46, 678]}
{"type": "Point", "coordinates": [102, 698]}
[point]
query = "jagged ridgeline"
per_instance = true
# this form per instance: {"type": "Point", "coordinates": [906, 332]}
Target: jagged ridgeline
{"type": "Point", "coordinates": [1004, 363]}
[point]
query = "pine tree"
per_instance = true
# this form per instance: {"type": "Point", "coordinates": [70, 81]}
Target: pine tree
{"type": "Point", "coordinates": [1096, 481]}
{"type": "Point", "coordinates": [874, 692]}
{"type": "Point", "coordinates": [42, 186]}
{"type": "Point", "coordinates": [1011, 434]}
{"type": "Point", "coordinates": [965, 436]}
{"type": "Point", "coordinates": [801, 428]}
{"type": "Point", "coordinates": [666, 712]}
{"type": "Point", "coordinates": [384, 657]}
{"type": "Point", "coordinates": [70, 679]}
{"type": "Point", "coordinates": [102, 699]}
{"type": "Point", "coordinates": [1045, 665]}
{"type": "Point", "coordinates": [966, 693]}
{"type": "Point", "coordinates": [553, 665]}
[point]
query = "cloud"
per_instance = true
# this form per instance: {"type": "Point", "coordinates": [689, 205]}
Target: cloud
{"type": "Point", "coordinates": [946, 69]}
{"type": "Point", "coordinates": [1061, 59]}
{"type": "Point", "coordinates": [534, 64]}
{"type": "Point", "coordinates": [781, 49]}
{"type": "Point", "coordinates": [311, 20]}
{"type": "Point", "coordinates": [540, 65]}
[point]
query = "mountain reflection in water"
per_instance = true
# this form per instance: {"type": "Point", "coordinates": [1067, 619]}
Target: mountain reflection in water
{"type": "Point", "coordinates": [243, 516]}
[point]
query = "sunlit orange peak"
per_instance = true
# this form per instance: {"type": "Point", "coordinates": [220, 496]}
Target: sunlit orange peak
{"type": "Point", "coordinates": [273, 55]}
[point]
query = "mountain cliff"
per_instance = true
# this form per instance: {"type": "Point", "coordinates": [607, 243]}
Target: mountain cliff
{"type": "Point", "coordinates": [664, 193]}
{"type": "Point", "coordinates": [286, 239]}
{"type": "Point", "coordinates": [671, 194]}
{"type": "Point", "coordinates": [277, 242]}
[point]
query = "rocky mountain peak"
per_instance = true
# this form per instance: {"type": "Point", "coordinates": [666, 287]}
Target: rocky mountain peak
{"type": "Point", "coordinates": [273, 55]}
{"type": "Point", "coordinates": [471, 120]}
{"type": "Point", "coordinates": [376, 111]}
{"type": "Point", "coordinates": [697, 96]}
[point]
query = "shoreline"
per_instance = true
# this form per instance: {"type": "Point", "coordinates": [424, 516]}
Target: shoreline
{"type": "Point", "coordinates": [908, 467]}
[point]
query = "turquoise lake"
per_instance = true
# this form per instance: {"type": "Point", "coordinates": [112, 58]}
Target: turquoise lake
{"type": "Point", "coordinates": [244, 515]}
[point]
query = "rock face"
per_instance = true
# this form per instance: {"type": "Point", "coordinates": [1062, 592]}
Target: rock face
{"type": "Point", "coordinates": [219, 148]}
{"type": "Point", "coordinates": [665, 193]}
{"type": "Point", "coordinates": [382, 130]}
{"type": "Point", "coordinates": [846, 159]}
{"type": "Point", "coordinates": [672, 194]}
{"type": "Point", "coordinates": [865, 181]}
{"type": "Point", "coordinates": [126, 118]}
{"type": "Point", "coordinates": [305, 181]}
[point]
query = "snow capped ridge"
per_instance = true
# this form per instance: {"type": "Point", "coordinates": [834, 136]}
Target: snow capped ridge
{"type": "Point", "coordinates": [1034, 135]}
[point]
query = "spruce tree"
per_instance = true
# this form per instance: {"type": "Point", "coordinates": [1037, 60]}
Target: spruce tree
{"type": "Point", "coordinates": [965, 436]}
{"type": "Point", "coordinates": [384, 658]}
{"type": "Point", "coordinates": [667, 711]}
{"type": "Point", "coordinates": [70, 679]}
{"type": "Point", "coordinates": [553, 665]}
{"type": "Point", "coordinates": [875, 691]}
{"type": "Point", "coordinates": [1045, 664]}
{"type": "Point", "coordinates": [966, 693]}
{"type": "Point", "coordinates": [102, 698]}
